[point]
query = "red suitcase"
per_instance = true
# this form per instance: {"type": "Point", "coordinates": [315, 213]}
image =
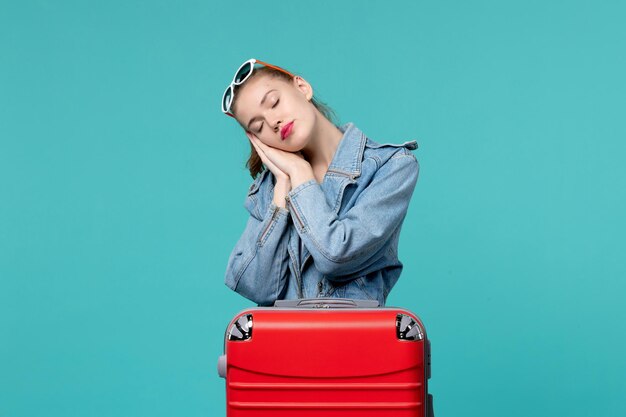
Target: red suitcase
{"type": "Point", "coordinates": [326, 357]}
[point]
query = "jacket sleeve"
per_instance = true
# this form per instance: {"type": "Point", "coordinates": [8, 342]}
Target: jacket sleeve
{"type": "Point", "coordinates": [344, 246]}
{"type": "Point", "coordinates": [258, 265]}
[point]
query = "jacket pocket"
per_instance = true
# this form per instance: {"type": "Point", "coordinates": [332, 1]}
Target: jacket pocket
{"type": "Point", "coordinates": [254, 187]}
{"type": "Point", "coordinates": [253, 202]}
{"type": "Point", "coordinates": [355, 289]}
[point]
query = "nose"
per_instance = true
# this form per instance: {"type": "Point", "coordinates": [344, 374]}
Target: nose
{"type": "Point", "coordinates": [277, 125]}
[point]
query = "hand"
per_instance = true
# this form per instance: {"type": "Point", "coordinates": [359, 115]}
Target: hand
{"type": "Point", "coordinates": [283, 162]}
{"type": "Point", "coordinates": [278, 173]}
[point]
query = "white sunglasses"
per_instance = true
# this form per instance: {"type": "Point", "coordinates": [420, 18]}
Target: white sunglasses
{"type": "Point", "coordinates": [242, 74]}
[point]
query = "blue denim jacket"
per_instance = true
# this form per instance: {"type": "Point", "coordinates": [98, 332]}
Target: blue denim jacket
{"type": "Point", "coordinates": [335, 239]}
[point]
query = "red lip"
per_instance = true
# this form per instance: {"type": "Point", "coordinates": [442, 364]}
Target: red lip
{"type": "Point", "coordinates": [286, 130]}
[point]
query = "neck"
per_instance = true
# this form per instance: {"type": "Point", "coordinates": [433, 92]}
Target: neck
{"type": "Point", "coordinates": [323, 144]}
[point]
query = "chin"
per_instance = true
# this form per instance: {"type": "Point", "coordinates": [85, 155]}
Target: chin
{"type": "Point", "coordinates": [295, 144]}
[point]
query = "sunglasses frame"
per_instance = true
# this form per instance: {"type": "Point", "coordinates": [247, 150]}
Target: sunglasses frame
{"type": "Point", "coordinates": [232, 85]}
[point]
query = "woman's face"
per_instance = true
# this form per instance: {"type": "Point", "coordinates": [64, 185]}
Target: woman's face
{"type": "Point", "coordinates": [264, 105]}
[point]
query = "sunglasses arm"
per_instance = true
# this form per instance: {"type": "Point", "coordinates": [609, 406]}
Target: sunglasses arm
{"type": "Point", "coordinates": [275, 67]}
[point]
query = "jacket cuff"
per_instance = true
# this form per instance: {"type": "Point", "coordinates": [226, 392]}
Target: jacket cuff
{"type": "Point", "coordinates": [302, 192]}
{"type": "Point", "coordinates": [301, 187]}
{"type": "Point", "coordinates": [275, 216]}
{"type": "Point", "coordinates": [281, 210]}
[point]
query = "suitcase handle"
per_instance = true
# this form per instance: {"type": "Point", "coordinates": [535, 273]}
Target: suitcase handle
{"type": "Point", "coordinates": [326, 302]}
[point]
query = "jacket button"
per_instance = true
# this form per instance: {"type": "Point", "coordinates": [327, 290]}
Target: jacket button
{"type": "Point", "coordinates": [320, 286]}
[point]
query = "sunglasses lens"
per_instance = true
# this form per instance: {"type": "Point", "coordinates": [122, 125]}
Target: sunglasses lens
{"type": "Point", "coordinates": [243, 73]}
{"type": "Point", "coordinates": [228, 98]}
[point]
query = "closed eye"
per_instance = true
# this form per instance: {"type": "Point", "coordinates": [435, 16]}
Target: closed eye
{"type": "Point", "coordinates": [261, 127]}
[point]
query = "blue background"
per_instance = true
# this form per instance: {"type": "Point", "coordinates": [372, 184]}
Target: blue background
{"type": "Point", "coordinates": [122, 188]}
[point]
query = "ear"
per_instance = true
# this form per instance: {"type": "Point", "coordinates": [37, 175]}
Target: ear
{"type": "Point", "coordinates": [304, 87]}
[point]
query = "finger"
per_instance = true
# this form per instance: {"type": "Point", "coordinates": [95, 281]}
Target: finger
{"type": "Point", "coordinates": [265, 152]}
{"type": "Point", "coordinates": [259, 151]}
{"type": "Point", "coordinates": [258, 143]}
{"type": "Point", "coordinates": [252, 140]}
{"type": "Point", "coordinates": [252, 137]}
{"type": "Point", "coordinates": [268, 151]}
{"type": "Point", "coordinates": [264, 158]}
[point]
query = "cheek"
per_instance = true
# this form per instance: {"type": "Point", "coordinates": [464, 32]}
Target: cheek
{"type": "Point", "coordinates": [272, 141]}
{"type": "Point", "coordinates": [267, 141]}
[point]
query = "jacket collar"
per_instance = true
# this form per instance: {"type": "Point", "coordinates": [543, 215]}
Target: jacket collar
{"type": "Point", "coordinates": [349, 154]}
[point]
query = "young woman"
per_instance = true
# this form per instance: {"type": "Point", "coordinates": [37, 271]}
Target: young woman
{"type": "Point", "coordinates": [327, 209]}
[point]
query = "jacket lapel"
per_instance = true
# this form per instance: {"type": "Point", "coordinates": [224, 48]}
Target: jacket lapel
{"type": "Point", "coordinates": [344, 168]}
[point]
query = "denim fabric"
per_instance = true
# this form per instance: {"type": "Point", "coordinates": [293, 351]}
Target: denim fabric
{"type": "Point", "coordinates": [335, 239]}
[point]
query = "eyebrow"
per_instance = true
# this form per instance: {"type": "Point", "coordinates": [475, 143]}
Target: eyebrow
{"type": "Point", "coordinates": [262, 101]}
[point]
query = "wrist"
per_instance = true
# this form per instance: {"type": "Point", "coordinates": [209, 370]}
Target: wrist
{"type": "Point", "coordinates": [282, 180]}
{"type": "Point", "coordinates": [281, 189]}
{"type": "Point", "coordinates": [279, 202]}
{"type": "Point", "coordinates": [302, 175]}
